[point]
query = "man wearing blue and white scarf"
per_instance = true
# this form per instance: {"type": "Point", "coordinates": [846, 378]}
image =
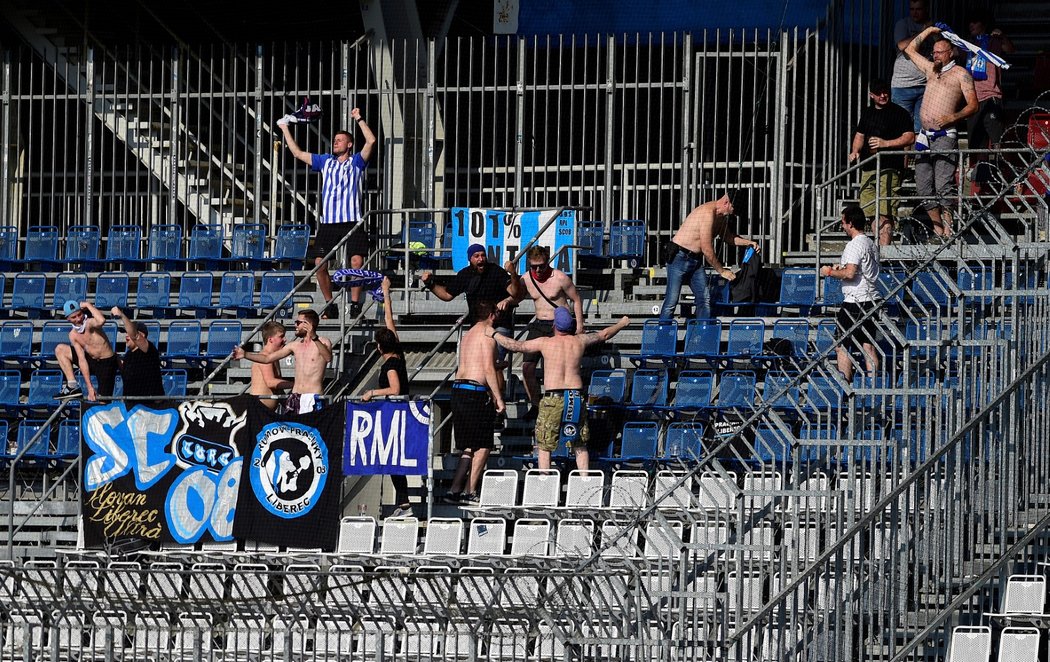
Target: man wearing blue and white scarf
{"type": "Point", "coordinates": [947, 87]}
{"type": "Point", "coordinates": [985, 128]}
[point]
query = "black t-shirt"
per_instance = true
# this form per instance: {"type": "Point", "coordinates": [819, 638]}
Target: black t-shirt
{"type": "Point", "coordinates": [395, 364]}
{"type": "Point", "coordinates": [141, 372]}
{"type": "Point", "coordinates": [491, 285]}
{"type": "Point", "coordinates": [889, 123]}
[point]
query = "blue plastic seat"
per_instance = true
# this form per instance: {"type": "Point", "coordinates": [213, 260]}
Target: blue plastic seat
{"type": "Point", "coordinates": [8, 247]}
{"type": "Point", "coordinates": [684, 441]}
{"type": "Point", "coordinates": [798, 289]}
{"type": "Point", "coordinates": [248, 245]}
{"type": "Point", "coordinates": [640, 440]}
{"type": "Point", "coordinates": [41, 246]}
{"type": "Point", "coordinates": [10, 388]}
{"type": "Point", "coordinates": [184, 342]}
{"type": "Point", "coordinates": [165, 246]}
{"type": "Point", "coordinates": [111, 289]}
{"type": "Point", "coordinates": [44, 385]}
{"type": "Point", "coordinates": [293, 240]}
{"type": "Point", "coordinates": [35, 436]}
{"type": "Point", "coordinates": [779, 391]}
{"type": "Point", "coordinates": [832, 292]}
{"type": "Point", "coordinates": [52, 334]}
{"type": "Point", "coordinates": [607, 390]}
{"type": "Point", "coordinates": [889, 280]}
{"type": "Point", "coordinates": [16, 341]}
{"type": "Point", "coordinates": [772, 445]}
{"type": "Point", "coordinates": [27, 293]}
{"type": "Point", "coordinates": [824, 338]}
{"type": "Point", "coordinates": [67, 446]}
{"type": "Point", "coordinates": [694, 392]}
{"type": "Point", "coordinates": [82, 246]}
{"type": "Point", "coordinates": [275, 285]}
{"type": "Point", "coordinates": [627, 242]}
{"type": "Point", "coordinates": [925, 335]}
{"type": "Point", "coordinates": [69, 286]}
{"type": "Point", "coordinates": [154, 293]}
{"type": "Point", "coordinates": [736, 390]}
{"type": "Point", "coordinates": [195, 293]}
{"type": "Point", "coordinates": [823, 395]}
{"type": "Point", "coordinates": [797, 332]}
{"type": "Point", "coordinates": [746, 338]}
{"type": "Point", "coordinates": [206, 245]}
{"type": "Point", "coordinates": [175, 381]}
{"type": "Point", "coordinates": [703, 339]}
{"type": "Point", "coordinates": [124, 246]}
{"type": "Point", "coordinates": [237, 292]}
{"type": "Point", "coordinates": [590, 236]}
{"type": "Point", "coordinates": [659, 341]}
{"type": "Point", "coordinates": [223, 336]}
{"type": "Point", "coordinates": [648, 390]}
{"type": "Point", "coordinates": [931, 291]}
{"type": "Point", "coordinates": [815, 443]}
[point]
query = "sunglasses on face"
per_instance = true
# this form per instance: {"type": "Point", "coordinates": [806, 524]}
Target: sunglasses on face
{"type": "Point", "coordinates": [538, 267]}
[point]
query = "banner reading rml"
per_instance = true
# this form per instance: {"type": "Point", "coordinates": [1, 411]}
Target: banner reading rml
{"type": "Point", "coordinates": [384, 438]}
{"type": "Point", "coordinates": [505, 233]}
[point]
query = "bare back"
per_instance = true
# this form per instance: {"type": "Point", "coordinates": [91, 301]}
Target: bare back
{"type": "Point", "coordinates": [555, 287]}
{"type": "Point", "coordinates": [309, 365]}
{"type": "Point", "coordinates": [700, 225]}
{"type": "Point", "coordinates": [944, 93]}
{"type": "Point", "coordinates": [262, 374]}
{"type": "Point", "coordinates": [561, 360]}
{"type": "Point", "coordinates": [477, 354]}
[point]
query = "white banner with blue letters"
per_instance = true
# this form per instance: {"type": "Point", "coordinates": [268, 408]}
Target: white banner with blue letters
{"type": "Point", "coordinates": [504, 233]}
{"type": "Point", "coordinates": [384, 438]}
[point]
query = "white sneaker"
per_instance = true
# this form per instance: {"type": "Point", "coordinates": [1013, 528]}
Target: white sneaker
{"type": "Point", "coordinates": [401, 512]}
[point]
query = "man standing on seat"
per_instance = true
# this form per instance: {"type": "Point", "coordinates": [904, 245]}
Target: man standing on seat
{"type": "Point", "coordinates": [94, 353]}
{"type": "Point", "coordinates": [312, 354]}
{"type": "Point", "coordinates": [882, 126]}
{"type": "Point", "coordinates": [563, 408]}
{"type": "Point", "coordinates": [947, 84]}
{"type": "Point", "coordinates": [692, 245]}
{"type": "Point", "coordinates": [859, 273]}
{"type": "Point", "coordinates": [477, 397]}
{"type": "Point", "coordinates": [342, 181]}
{"type": "Point", "coordinates": [550, 289]}
{"type": "Point", "coordinates": [140, 367]}
{"type": "Point", "coordinates": [266, 377]}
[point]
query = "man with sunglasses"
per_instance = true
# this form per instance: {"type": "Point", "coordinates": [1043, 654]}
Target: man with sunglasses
{"type": "Point", "coordinates": [882, 126]}
{"type": "Point", "coordinates": [551, 289]}
{"type": "Point", "coordinates": [312, 354]}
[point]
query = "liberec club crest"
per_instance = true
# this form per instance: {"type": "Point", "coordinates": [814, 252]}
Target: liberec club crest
{"type": "Point", "coordinates": [194, 444]}
{"type": "Point", "coordinates": [289, 468]}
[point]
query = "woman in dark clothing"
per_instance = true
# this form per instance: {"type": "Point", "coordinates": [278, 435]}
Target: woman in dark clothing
{"type": "Point", "coordinates": [393, 380]}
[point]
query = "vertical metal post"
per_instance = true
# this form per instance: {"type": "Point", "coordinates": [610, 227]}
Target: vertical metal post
{"type": "Point", "coordinates": [89, 139]}
{"type": "Point", "coordinates": [610, 123]}
{"type": "Point", "coordinates": [257, 148]}
{"type": "Point", "coordinates": [777, 174]}
{"type": "Point", "coordinates": [688, 146]}
{"type": "Point", "coordinates": [519, 127]}
{"type": "Point", "coordinates": [5, 137]}
{"type": "Point", "coordinates": [173, 159]}
{"type": "Point", "coordinates": [429, 127]}
{"type": "Point", "coordinates": [344, 84]}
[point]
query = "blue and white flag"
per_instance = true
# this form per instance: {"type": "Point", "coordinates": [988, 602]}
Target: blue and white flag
{"type": "Point", "coordinates": [505, 233]}
{"type": "Point", "coordinates": [384, 438]}
{"type": "Point", "coordinates": [975, 49]}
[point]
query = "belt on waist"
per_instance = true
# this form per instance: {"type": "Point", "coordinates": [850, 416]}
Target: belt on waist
{"type": "Point", "coordinates": [693, 254]}
{"type": "Point", "coordinates": [469, 386]}
{"type": "Point", "coordinates": [939, 133]}
{"type": "Point", "coordinates": [560, 391]}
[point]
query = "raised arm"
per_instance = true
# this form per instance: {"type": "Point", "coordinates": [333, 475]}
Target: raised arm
{"type": "Point", "coordinates": [388, 309]}
{"type": "Point", "coordinates": [141, 343]}
{"type": "Point", "coordinates": [516, 289]}
{"type": "Point", "coordinates": [512, 345]}
{"type": "Point", "coordinates": [293, 147]}
{"type": "Point", "coordinates": [606, 333]}
{"type": "Point", "coordinates": [93, 313]}
{"type": "Point", "coordinates": [256, 357]}
{"type": "Point", "coordinates": [912, 51]}
{"type": "Point", "coordinates": [324, 348]}
{"type": "Point", "coordinates": [370, 138]}
{"type": "Point", "coordinates": [431, 284]}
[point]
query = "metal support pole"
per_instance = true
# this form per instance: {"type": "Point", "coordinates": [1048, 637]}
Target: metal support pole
{"type": "Point", "coordinates": [610, 122]}
{"type": "Point", "coordinates": [89, 139]}
{"type": "Point", "coordinates": [256, 191]}
{"type": "Point", "coordinates": [519, 127]}
{"type": "Point", "coordinates": [173, 157]}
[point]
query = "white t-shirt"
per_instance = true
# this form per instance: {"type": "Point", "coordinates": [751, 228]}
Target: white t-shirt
{"type": "Point", "coordinates": [861, 251]}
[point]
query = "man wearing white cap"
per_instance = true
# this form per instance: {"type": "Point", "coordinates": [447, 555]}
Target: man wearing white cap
{"type": "Point", "coordinates": [563, 409]}
{"type": "Point", "coordinates": [93, 351]}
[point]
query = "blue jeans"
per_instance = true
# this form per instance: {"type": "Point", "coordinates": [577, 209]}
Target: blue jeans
{"type": "Point", "coordinates": [686, 267]}
{"type": "Point", "coordinates": [910, 99]}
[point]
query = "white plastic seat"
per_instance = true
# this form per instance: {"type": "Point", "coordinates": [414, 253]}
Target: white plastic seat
{"type": "Point", "coordinates": [250, 584]}
{"type": "Point", "coordinates": [476, 586]}
{"type": "Point", "coordinates": [970, 643]}
{"type": "Point", "coordinates": [613, 545]}
{"type": "Point", "coordinates": [194, 635]}
{"type": "Point", "coordinates": [508, 640]}
{"type": "Point", "coordinates": [531, 537]}
{"type": "Point", "coordinates": [1025, 594]}
{"type": "Point", "coordinates": [334, 637]}
{"type": "Point", "coordinates": [629, 489]}
{"type": "Point", "coordinates": [709, 540]}
{"type": "Point", "coordinates": [109, 632]}
{"type": "Point", "coordinates": [357, 535]}
{"type": "Point", "coordinates": [813, 498]}
{"type": "Point", "coordinates": [245, 637]}
{"type": "Point", "coordinates": [680, 498]}
{"type": "Point", "coordinates": [388, 585]}
{"type": "Point", "coordinates": [303, 585]}
{"type": "Point", "coordinates": [123, 580]}
{"type": "Point", "coordinates": [801, 543]}
{"type": "Point", "coordinates": [856, 493]}
{"type": "Point", "coordinates": [499, 488]}
{"type": "Point", "coordinates": [718, 494]}
{"type": "Point", "coordinates": [207, 581]}
{"type": "Point", "coordinates": [585, 489]}
{"type": "Point", "coordinates": [432, 586]}
{"type": "Point", "coordinates": [575, 538]}
{"type": "Point", "coordinates": [400, 536]}
{"type": "Point", "coordinates": [290, 634]}
{"type": "Point", "coordinates": [663, 542]}
{"type": "Point", "coordinates": [164, 581]}
{"type": "Point", "coordinates": [153, 638]}
{"type": "Point", "coordinates": [758, 542]}
{"type": "Point", "coordinates": [757, 482]}
{"type": "Point", "coordinates": [345, 587]}
{"type": "Point", "coordinates": [1019, 644]}
{"type": "Point", "coordinates": [542, 488]}
{"type": "Point", "coordinates": [521, 587]}
{"type": "Point", "coordinates": [745, 587]}
{"type": "Point", "coordinates": [487, 537]}
{"type": "Point", "coordinates": [444, 536]}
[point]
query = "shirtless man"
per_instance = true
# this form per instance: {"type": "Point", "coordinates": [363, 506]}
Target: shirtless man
{"type": "Point", "coordinates": [563, 409]}
{"type": "Point", "coordinates": [476, 400]}
{"type": "Point", "coordinates": [266, 377]}
{"type": "Point", "coordinates": [312, 354]}
{"type": "Point", "coordinates": [947, 85]}
{"type": "Point", "coordinates": [550, 289]}
{"type": "Point", "coordinates": [692, 245]}
{"type": "Point", "coordinates": [94, 353]}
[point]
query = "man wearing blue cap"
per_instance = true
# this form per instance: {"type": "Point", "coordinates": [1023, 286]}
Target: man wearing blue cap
{"type": "Point", "coordinates": [563, 409]}
{"type": "Point", "coordinates": [93, 351]}
{"type": "Point", "coordinates": [482, 281]}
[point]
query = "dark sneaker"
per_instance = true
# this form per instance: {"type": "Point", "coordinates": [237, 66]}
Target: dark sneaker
{"type": "Point", "coordinates": [69, 392]}
{"type": "Point", "coordinates": [453, 497]}
{"type": "Point", "coordinates": [355, 309]}
{"type": "Point", "coordinates": [330, 312]}
{"type": "Point", "coordinates": [471, 499]}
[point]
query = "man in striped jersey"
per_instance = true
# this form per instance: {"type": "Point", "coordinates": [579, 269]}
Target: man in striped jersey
{"type": "Point", "coordinates": [342, 181]}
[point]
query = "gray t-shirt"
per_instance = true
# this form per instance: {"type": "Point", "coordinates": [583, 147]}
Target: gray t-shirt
{"type": "Point", "coordinates": [905, 73]}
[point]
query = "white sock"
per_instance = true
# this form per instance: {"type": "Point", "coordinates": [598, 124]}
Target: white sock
{"type": "Point", "coordinates": [72, 384]}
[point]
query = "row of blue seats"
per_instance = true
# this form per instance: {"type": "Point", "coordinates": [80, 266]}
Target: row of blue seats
{"type": "Point", "coordinates": [195, 293]}
{"type": "Point", "coordinates": [695, 392]}
{"type": "Point", "coordinates": [248, 244]}
{"type": "Point", "coordinates": [645, 441]}
{"type": "Point", "coordinates": [181, 342]}
{"type": "Point", "coordinates": [746, 338]}
{"type": "Point", "coordinates": [44, 385]}
{"type": "Point", "coordinates": [65, 445]}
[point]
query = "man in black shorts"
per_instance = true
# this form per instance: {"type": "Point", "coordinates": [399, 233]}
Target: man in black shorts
{"type": "Point", "coordinates": [342, 181]}
{"type": "Point", "coordinates": [476, 400]}
{"type": "Point", "coordinates": [92, 349]}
